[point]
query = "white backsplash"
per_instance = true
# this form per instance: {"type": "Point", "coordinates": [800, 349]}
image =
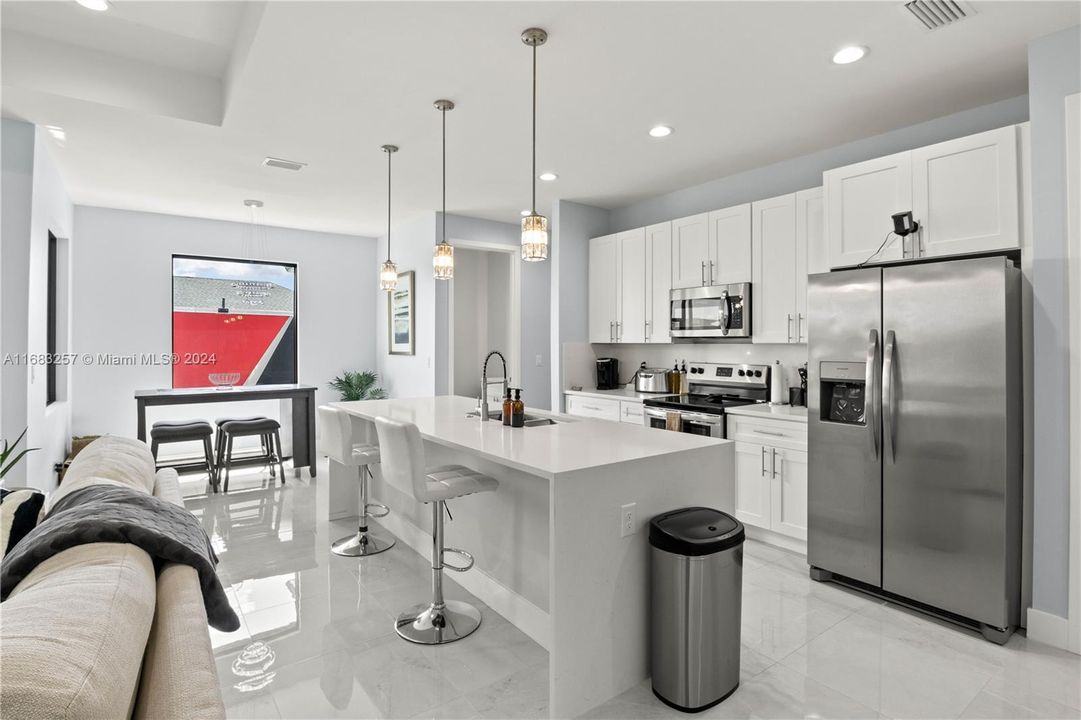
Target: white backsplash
{"type": "Point", "coordinates": [579, 358]}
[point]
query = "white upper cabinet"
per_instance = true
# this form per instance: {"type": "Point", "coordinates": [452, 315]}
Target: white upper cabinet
{"type": "Point", "coordinates": [773, 288]}
{"type": "Point", "coordinates": [812, 253]}
{"type": "Point", "coordinates": [603, 281]}
{"type": "Point", "coordinates": [690, 250]}
{"type": "Point", "coordinates": [729, 258]}
{"type": "Point", "coordinates": [965, 194]}
{"type": "Point", "coordinates": [658, 282]}
{"type": "Point", "coordinates": [633, 300]}
{"type": "Point", "coordinates": [860, 200]}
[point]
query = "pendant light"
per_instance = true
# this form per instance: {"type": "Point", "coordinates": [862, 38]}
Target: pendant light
{"type": "Point", "coordinates": [388, 274]}
{"type": "Point", "coordinates": [443, 259]}
{"type": "Point", "coordinates": [534, 226]}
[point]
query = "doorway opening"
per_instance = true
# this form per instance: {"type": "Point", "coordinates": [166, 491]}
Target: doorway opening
{"type": "Point", "coordinates": [484, 302]}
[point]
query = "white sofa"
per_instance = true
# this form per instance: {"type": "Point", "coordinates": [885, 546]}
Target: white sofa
{"type": "Point", "coordinates": [92, 633]}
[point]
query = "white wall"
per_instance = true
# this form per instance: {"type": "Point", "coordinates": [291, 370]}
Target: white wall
{"type": "Point", "coordinates": [411, 249]}
{"type": "Point", "coordinates": [50, 426]}
{"type": "Point", "coordinates": [34, 204]}
{"type": "Point", "coordinates": [429, 371]}
{"type": "Point", "coordinates": [122, 304]}
{"type": "Point", "coordinates": [16, 193]}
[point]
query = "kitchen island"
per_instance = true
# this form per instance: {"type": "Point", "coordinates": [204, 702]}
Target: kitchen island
{"type": "Point", "coordinates": [562, 546]}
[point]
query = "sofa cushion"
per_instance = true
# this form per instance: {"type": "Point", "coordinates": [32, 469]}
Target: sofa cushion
{"type": "Point", "coordinates": [19, 511]}
{"type": "Point", "coordinates": [74, 632]}
{"type": "Point", "coordinates": [109, 460]}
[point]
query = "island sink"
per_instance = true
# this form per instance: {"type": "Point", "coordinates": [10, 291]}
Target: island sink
{"type": "Point", "coordinates": [530, 420]}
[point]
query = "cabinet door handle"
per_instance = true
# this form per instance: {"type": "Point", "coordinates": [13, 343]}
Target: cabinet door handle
{"type": "Point", "coordinates": [921, 246]}
{"type": "Point", "coordinates": [773, 463]}
{"type": "Point", "coordinates": [648, 335]}
{"type": "Point", "coordinates": [763, 459]}
{"type": "Point", "coordinates": [799, 327]}
{"type": "Point", "coordinates": [612, 331]}
{"type": "Point", "coordinates": [710, 272]}
{"type": "Point", "coordinates": [703, 272]}
{"type": "Point", "coordinates": [769, 432]}
{"type": "Point", "coordinates": [619, 330]}
{"type": "Point", "coordinates": [789, 316]}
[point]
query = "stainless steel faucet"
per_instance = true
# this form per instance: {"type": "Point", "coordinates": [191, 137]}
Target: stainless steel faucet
{"type": "Point", "coordinates": [484, 383]}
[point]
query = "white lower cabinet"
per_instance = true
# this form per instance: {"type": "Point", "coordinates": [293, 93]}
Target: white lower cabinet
{"type": "Point", "coordinates": [788, 492]}
{"type": "Point", "coordinates": [631, 412]}
{"type": "Point", "coordinates": [598, 408]}
{"type": "Point", "coordinates": [771, 474]}
{"type": "Point", "coordinates": [601, 409]}
{"type": "Point", "coordinates": [752, 485]}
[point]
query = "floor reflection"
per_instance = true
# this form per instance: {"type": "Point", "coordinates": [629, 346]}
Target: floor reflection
{"type": "Point", "coordinates": [317, 633]}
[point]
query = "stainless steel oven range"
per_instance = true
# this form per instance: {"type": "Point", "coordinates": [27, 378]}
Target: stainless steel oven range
{"type": "Point", "coordinates": [713, 388]}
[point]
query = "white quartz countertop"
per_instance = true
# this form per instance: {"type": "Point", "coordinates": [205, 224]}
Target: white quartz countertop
{"type": "Point", "coordinates": [774, 412]}
{"type": "Point", "coordinates": [623, 393]}
{"type": "Point", "coordinates": [572, 444]}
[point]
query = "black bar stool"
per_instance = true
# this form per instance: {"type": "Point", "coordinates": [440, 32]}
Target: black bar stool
{"type": "Point", "coordinates": [173, 431]}
{"type": "Point", "coordinates": [219, 436]}
{"type": "Point", "coordinates": [268, 432]}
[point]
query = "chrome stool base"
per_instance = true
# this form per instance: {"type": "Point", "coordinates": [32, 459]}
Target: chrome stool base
{"type": "Point", "coordinates": [361, 544]}
{"type": "Point", "coordinates": [426, 625]}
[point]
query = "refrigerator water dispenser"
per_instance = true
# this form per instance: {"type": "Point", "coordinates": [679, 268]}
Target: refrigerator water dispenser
{"type": "Point", "coordinates": [843, 392]}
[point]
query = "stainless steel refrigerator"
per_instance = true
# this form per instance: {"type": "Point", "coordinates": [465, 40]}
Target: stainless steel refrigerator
{"type": "Point", "coordinates": [914, 430]}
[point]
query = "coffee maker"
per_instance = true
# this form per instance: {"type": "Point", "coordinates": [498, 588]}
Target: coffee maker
{"type": "Point", "coordinates": [607, 373]}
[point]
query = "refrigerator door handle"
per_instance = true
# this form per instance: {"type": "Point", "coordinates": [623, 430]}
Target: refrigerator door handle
{"type": "Point", "coordinates": [872, 408]}
{"type": "Point", "coordinates": [887, 395]}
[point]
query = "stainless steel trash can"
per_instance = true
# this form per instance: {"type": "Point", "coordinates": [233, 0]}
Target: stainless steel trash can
{"type": "Point", "coordinates": [697, 584]}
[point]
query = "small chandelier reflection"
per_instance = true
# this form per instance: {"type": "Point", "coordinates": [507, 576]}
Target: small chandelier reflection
{"type": "Point", "coordinates": [534, 226]}
{"type": "Point", "coordinates": [388, 273]}
{"type": "Point", "coordinates": [443, 258]}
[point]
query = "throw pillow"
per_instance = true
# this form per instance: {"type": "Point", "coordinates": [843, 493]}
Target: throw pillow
{"type": "Point", "coordinates": [19, 511]}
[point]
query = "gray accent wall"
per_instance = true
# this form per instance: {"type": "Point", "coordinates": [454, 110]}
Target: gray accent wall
{"type": "Point", "coordinates": [572, 224]}
{"type": "Point", "coordinates": [1054, 71]}
{"type": "Point", "coordinates": [806, 171]}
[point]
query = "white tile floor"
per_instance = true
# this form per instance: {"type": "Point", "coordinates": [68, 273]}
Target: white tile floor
{"type": "Point", "coordinates": [318, 633]}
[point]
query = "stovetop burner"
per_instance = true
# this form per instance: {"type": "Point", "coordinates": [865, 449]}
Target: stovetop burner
{"type": "Point", "coordinates": [699, 402]}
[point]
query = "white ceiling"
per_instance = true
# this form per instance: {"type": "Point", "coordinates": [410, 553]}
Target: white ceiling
{"type": "Point", "coordinates": [171, 106]}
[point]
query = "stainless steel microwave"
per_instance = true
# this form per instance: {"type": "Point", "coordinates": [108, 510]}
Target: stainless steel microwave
{"type": "Point", "coordinates": [712, 312]}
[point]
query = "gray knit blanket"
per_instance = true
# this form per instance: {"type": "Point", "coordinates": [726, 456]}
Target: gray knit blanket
{"type": "Point", "coordinates": [104, 513]}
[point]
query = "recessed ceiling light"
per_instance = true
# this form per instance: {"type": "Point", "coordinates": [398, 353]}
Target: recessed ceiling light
{"type": "Point", "coordinates": [548, 176]}
{"type": "Point", "coordinates": [849, 54]}
{"type": "Point", "coordinates": [98, 5]}
{"type": "Point", "coordinates": [660, 131]}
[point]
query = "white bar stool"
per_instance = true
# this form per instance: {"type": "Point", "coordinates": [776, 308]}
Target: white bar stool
{"type": "Point", "coordinates": [337, 434]}
{"type": "Point", "coordinates": [439, 621]}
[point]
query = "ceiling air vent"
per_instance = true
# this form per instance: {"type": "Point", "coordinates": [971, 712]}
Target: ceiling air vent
{"type": "Point", "coordinates": [283, 164]}
{"type": "Point", "coordinates": [934, 14]}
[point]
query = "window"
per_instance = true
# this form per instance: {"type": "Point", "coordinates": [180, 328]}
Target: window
{"type": "Point", "coordinates": [234, 322]}
{"type": "Point", "coordinates": [50, 327]}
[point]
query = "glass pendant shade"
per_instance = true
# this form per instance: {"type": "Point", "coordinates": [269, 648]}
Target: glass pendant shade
{"type": "Point", "coordinates": [534, 238]}
{"type": "Point", "coordinates": [388, 276]}
{"type": "Point", "coordinates": [443, 261]}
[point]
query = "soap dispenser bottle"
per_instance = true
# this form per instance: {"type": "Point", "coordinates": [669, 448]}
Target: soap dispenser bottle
{"type": "Point", "coordinates": [684, 384]}
{"type": "Point", "coordinates": [518, 409]}
{"type": "Point", "coordinates": [508, 408]}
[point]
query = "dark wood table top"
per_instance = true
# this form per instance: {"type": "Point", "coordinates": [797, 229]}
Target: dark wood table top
{"type": "Point", "coordinates": [224, 392]}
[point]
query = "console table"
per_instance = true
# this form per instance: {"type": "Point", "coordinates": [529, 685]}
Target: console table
{"type": "Point", "coordinates": [298, 423]}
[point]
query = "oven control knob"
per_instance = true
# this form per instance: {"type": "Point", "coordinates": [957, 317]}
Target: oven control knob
{"type": "Point", "coordinates": [758, 373]}
{"type": "Point", "coordinates": [696, 370]}
{"type": "Point", "coordinates": [741, 373]}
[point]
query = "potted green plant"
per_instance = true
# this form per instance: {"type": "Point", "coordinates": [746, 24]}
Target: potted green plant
{"type": "Point", "coordinates": [358, 385]}
{"type": "Point", "coordinates": [5, 463]}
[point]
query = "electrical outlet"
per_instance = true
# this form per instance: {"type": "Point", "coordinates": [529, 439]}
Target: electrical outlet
{"type": "Point", "coordinates": [540, 361]}
{"type": "Point", "coordinates": [627, 519]}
